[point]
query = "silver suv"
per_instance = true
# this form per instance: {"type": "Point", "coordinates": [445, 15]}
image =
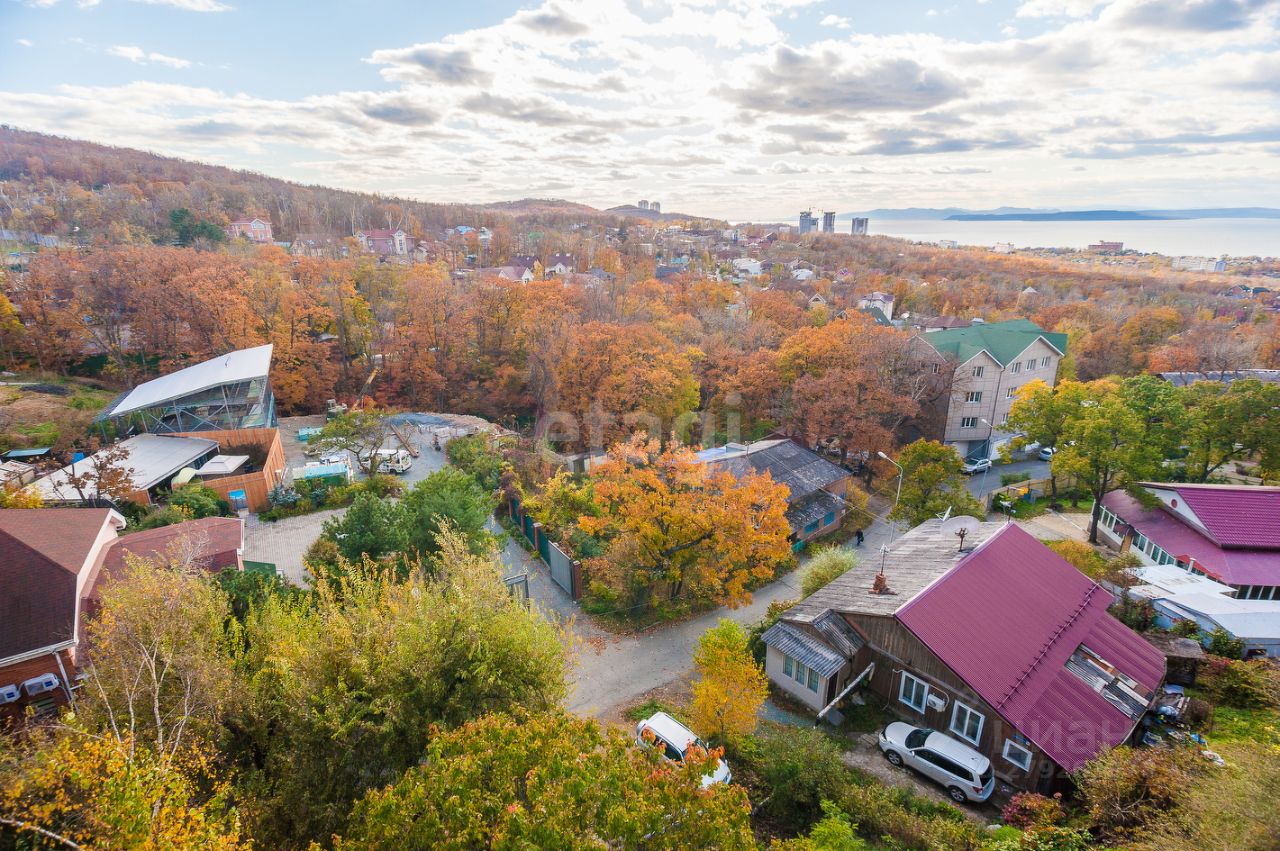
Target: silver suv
{"type": "Point", "coordinates": [965, 773]}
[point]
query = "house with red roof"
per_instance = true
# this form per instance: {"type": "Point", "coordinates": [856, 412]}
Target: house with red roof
{"type": "Point", "coordinates": [54, 563]}
{"type": "Point", "coordinates": [1229, 533]}
{"type": "Point", "coordinates": [384, 242]}
{"type": "Point", "coordinates": [255, 230]}
{"type": "Point", "coordinates": [991, 638]}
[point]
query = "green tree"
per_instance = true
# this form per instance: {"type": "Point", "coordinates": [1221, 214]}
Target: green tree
{"type": "Point", "coordinates": [447, 496]}
{"type": "Point", "coordinates": [344, 689]}
{"type": "Point", "coordinates": [549, 781]}
{"type": "Point", "coordinates": [362, 433]}
{"type": "Point", "coordinates": [1040, 414]}
{"type": "Point", "coordinates": [836, 832]}
{"type": "Point", "coordinates": [933, 481]}
{"type": "Point", "coordinates": [473, 455]}
{"type": "Point", "coordinates": [731, 687]}
{"type": "Point", "coordinates": [1225, 424]}
{"type": "Point", "coordinates": [1162, 409]}
{"type": "Point", "coordinates": [199, 501]}
{"type": "Point", "coordinates": [371, 526]}
{"type": "Point", "coordinates": [1104, 447]}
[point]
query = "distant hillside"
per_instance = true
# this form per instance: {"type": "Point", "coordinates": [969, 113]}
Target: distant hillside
{"type": "Point", "coordinates": [59, 186]}
{"type": "Point", "coordinates": [632, 211]}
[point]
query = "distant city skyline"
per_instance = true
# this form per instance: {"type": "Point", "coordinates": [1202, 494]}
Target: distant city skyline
{"type": "Point", "coordinates": [740, 109]}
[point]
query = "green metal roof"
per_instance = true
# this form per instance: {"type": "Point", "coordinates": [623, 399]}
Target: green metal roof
{"type": "Point", "coordinates": [1004, 341]}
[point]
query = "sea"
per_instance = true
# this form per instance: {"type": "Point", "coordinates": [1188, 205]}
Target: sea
{"type": "Point", "coordinates": [1172, 237]}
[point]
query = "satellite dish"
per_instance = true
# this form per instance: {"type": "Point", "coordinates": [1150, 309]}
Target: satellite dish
{"type": "Point", "coordinates": [961, 526]}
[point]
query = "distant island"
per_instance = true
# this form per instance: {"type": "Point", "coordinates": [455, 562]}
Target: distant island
{"type": "Point", "coordinates": [1050, 214]}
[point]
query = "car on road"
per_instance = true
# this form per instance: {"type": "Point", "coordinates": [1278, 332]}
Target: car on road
{"type": "Point", "coordinates": [979, 466]}
{"type": "Point", "coordinates": [1046, 454]}
{"type": "Point", "coordinates": [965, 773]}
{"type": "Point", "coordinates": [674, 739]}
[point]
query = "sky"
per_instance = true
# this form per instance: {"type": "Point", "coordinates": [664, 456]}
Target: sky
{"type": "Point", "coordinates": [743, 109]}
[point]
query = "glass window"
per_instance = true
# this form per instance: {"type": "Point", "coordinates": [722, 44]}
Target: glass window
{"type": "Point", "coordinates": [801, 670]}
{"type": "Point", "coordinates": [1017, 754]}
{"type": "Point", "coordinates": [1016, 368]}
{"type": "Point", "coordinates": [966, 723]}
{"type": "Point", "coordinates": [1011, 392]}
{"type": "Point", "coordinates": [973, 396]}
{"type": "Point", "coordinates": [913, 692]}
{"type": "Point", "coordinates": [1044, 362]}
{"type": "Point", "coordinates": [813, 680]}
{"type": "Point", "coordinates": [812, 527]}
{"type": "Point", "coordinates": [1004, 419]}
{"type": "Point", "coordinates": [978, 371]}
{"type": "Point", "coordinates": [968, 422]}
{"type": "Point", "coordinates": [786, 665]}
{"type": "Point", "coordinates": [829, 518]}
{"type": "Point", "coordinates": [1031, 364]}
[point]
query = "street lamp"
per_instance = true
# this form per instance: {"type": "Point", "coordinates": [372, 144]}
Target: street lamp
{"type": "Point", "coordinates": [898, 495]}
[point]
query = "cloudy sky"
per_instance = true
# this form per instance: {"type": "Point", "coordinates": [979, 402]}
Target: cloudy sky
{"type": "Point", "coordinates": [741, 109]}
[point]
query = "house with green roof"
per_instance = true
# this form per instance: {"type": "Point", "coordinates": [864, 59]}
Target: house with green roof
{"type": "Point", "coordinates": [981, 368]}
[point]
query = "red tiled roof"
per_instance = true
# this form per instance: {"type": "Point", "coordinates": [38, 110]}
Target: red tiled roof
{"type": "Point", "coordinates": [219, 540]}
{"type": "Point", "coordinates": [1007, 617]}
{"type": "Point", "coordinates": [1236, 517]}
{"type": "Point", "coordinates": [1234, 566]}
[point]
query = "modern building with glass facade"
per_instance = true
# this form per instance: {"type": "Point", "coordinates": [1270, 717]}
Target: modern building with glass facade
{"type": "Point", "coordinates": [227, 392]}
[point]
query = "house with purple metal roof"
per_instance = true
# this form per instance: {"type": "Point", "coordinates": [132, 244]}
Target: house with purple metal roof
{"type": "Point", "coordinates": [991, 638]}
{"type": "Point", "coordinates": [1230, 533]}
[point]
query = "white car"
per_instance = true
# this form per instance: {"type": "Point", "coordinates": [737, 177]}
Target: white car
{"type": "Point", "coordinates": [675, 739]}
{"type": "Point", "coordinates": [979, 466]}
{"type": "Point", "coordinates": [965, 773]}
{"type": "Point", "coordinates": [1046, 454]}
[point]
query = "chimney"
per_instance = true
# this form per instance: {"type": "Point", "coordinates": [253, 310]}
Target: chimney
{"type": "Point", "coordinates": [880, 585]}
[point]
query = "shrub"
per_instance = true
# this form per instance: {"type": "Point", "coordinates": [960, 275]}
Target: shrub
{"type": "Point", "coordinates": [800, 768]}
{"type": "Point", "coordinates": [200, 501]}
{"type": "Point", "coordinates": [1081, 556]}
{"type": "Point", "coordinates": [1126, 788]}
{"type": "Point", "coordinates": [1198, 713]}
{"type": "Point", "coordinates": [1221, 643]}
{"type": "Point", "coordinates": [1027, 809]}
{"type": "Point", "coordinates": [903, 820]}
{"type": "Point", "coordinates": [1244, 685]}
{"type": "Point", "coordinates": [827, 564]}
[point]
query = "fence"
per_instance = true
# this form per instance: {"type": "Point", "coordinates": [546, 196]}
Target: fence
{"type": "Point", "coordinates": [1033, 488]}
{"type": "Point", "coordinates": [253, 487]}
{"type": "Point", "coordinates": [565, 570]}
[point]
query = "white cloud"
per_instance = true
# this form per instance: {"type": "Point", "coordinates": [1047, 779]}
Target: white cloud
{"type": "Point", "coordinates": [188, 5]}
{"type": "Point", "coordinates": [25, 42]}
{"type": "Point", "coordinates": [837, 22]}
{"type": "Point", "coordinates": [1057, 8]}
{"type": "Point", "coordinates": [142, 57]}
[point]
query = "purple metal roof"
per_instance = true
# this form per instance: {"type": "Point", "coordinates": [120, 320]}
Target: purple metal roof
{"type": "Point", "coordinates": [1244, 517]}
{"type": "Point", "coordinates": [1232, 566]}
{"type": "Point", "coordinates": [1006, 619]}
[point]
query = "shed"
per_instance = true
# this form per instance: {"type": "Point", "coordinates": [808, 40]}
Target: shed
{"type": "Point", "coordinates": [1182, 656]}
{"type": "Point", "coordinates": [323, 475]}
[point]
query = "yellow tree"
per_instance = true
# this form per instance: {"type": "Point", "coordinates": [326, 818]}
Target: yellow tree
{"type": "Point", "coordinates": [732, 688]}
{"type": "Point", "coordinates": [677, 530]}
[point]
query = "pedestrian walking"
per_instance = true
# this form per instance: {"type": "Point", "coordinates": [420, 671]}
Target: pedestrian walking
{"type": "Point", "coordinates": [858, 538]}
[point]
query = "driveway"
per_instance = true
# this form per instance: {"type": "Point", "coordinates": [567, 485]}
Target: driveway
{"type": "Point", "coordinates": [866, 757]}
{"type": "Point", "coordinates": [989, 481]}
{"type": "Point", "coordinates": [615, 669]}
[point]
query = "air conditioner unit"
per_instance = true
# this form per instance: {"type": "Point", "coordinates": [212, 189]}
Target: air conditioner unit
{"type": "Point", "coordinates": [936, 702]}
{"type": "Point", "coordinates": [9, 693]}
{"type": "Point", "coordinates": [40, 684]}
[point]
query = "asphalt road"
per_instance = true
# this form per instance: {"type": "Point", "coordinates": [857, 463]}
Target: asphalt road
{"type": "Point", "coordinates": [989, 481]}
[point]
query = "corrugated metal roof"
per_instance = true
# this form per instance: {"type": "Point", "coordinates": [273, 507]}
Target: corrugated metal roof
{"type": "Point", "coordinates": [1236, 517]}
{"type": "Point", "coordinates": [241, 365]}
{"type": "Point", "coordinates": [151, 457]}
{"type": "Point", "coordinates": [804, 648]}
{"type": "Point", "coordinates": [1007, 618]}
{"type": "Point", "coordinates": [800, 469]}
{"type": "Point", "coordinates": [1004, 341]}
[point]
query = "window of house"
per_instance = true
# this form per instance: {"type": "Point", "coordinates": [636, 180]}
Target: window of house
{"type": "Point", "coordinates": [978, 370]}
{"type": "Point", "coordinates": [966, 723]}
{"type": "Point", "coordinates": [811, 527]}
{"type": "Point", "coordinates": [829, 518]}
{"type": "Point", "coordinates": [1004, 419]}
{"type": "Point", "coordinates": [1031, 364]}
{"type": "Point", "coordinates": [1017, 754]}
{"type": "Point", "coordinates": [813, 680]}
{"type": "Point", "coordinates": [1011, 392]}
{"type": "Point", "coordinates": [787, 665]}
{"type": "Point", "coordinates": [913, 692]}
{"type": "Point", "coordinates": [968, 422]}
{"type": "Point", "coordinates": [973, 397]}
{"type": "Point", "coordinates": [801, 673]}
{"type": "Point", "coordinates": [1016, 368]}
{"type": "Point", "coordinates": [937, 368]}
{"type": "Point", "coordinates": [1044, 362]}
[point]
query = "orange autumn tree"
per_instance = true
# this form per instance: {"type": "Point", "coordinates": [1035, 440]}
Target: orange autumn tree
{"type": "Point", "coordinates": [678, 531]}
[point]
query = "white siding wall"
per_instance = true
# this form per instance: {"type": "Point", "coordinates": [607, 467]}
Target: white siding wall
{"type": "Point", "coordinates": [773, 662]}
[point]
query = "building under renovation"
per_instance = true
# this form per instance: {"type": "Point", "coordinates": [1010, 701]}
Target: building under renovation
{"type": "Point", "coordinates": [227, 392]}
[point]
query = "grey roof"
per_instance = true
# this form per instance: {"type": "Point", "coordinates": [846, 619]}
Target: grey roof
{"type": "Point", "coordinates": [804, 648]}
{"type": "Point", "coordinates": [814, 507]}
{"type": "Point", "coordinates": [152, 457]}
{"type": "Point", "coordinates": [913, 562]}
{"type": "Point", "coordinates": [835, 630]}
{"type": "Point", "coordinates": [237, 366]}
{"type": "Point", "coordinates": [801, 470]}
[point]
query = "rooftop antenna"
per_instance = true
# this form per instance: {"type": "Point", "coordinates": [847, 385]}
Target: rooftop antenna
{"type": "Point", "coordinates": [961, 526]}
{"type": "Point", "coordinates": [880, 585]}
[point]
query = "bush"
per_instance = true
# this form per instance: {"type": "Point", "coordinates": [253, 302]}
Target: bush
{"type": "Point", "coordinates": [1027, 809]}
{"type": "Point", "coordinates": [1244, 685]}
{"type": "Point", "coordinates": [472, 455]}
{"type": "Point", "coordinates": [1126, 788]}
{"type": "Point", "coordinates": [1221, 643]}
{"type": "Point", "coordinates": [1014, 478]}
{"type": "Point", "coordinates": [827, 564]}
{"type": "Point", "coordinates": [800, 768]}
{"type": "Point", "coordinates": [200, 501]}
{"type": "Point", "coordinates": [903, 820]}
{"type": "Point", "coordinates": [1083, 557]}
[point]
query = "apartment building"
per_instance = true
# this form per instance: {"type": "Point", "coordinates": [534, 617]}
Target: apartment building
{"type": "Point", "coordinates": [983, 366]}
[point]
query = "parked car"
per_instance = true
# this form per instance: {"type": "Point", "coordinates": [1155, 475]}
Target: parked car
{"type": "Point", "coordinates": [675, 739]}
{"type": "Point", "coordinates": [1046, 454]}
{"type": "Point", "coordinates": [965, 773]}
{"type": "Point", "coordinates": [979, 466]}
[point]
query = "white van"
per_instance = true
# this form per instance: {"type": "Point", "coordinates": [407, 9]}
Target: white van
{"type": "Point", "coordinates": [393, 461]}
{"type": "Point", "coordinates": [675, 739]}
{"type": "Point", "coordinates": [965, 773]}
